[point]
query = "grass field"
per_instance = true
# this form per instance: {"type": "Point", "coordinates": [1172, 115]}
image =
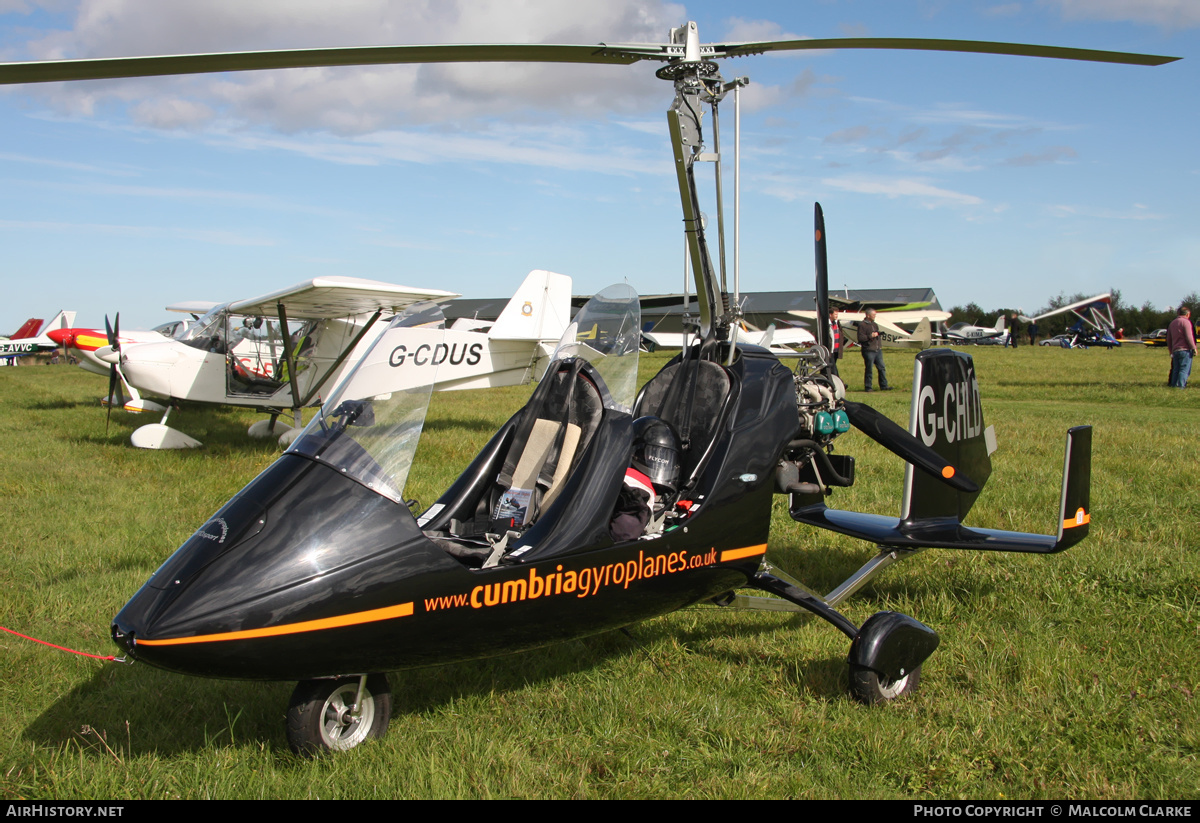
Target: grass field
{"type": "Point", "coordinates": [1069, 676]}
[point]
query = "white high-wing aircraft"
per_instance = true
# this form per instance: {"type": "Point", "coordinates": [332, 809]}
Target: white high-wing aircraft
{"type": "Point", "coordinates": [966, 333]}
{"type": "Point", "coordinates": [286, 350]}
{"type": "Point", "coordinates": [891, 325]}
{"type": "Point", "coordinates": [781, 342]}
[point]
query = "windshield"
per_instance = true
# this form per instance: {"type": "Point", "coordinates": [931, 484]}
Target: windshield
{"type": "Point", "coordinates": [606, 333]}
{"type": "Point", "coordinates": [370, 425]}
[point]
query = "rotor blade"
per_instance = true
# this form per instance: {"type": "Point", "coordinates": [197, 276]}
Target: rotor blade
{"type": "Point", "coordinates": [884, 431]}
{"type": "Point", "coordinates": [823, 331]}
{"type": "Point", "coordinates": [921, 44]}
{"type": "Point", "coordinates": [103, 68]}
{"type": "Point", "coordinates": [46, 71]}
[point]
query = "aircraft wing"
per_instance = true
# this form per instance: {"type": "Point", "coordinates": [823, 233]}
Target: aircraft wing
{"type": "Point", "coordinates": [325, 297]}
{"type": "Point", "coordinates": [1100, 300]}
{"type": "Point", "coordinates": [196, 307]}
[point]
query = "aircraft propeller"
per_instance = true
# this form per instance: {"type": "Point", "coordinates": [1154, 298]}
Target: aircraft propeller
{"type": "Point", "coordinates": [115, 393]}
{"type": "Point", "coordinates": [880, 428]}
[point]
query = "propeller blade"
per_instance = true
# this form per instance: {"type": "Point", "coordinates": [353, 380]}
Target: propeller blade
{"type": "Point", "coordinates": [823, 331]}
{"type": "Point", "coordinates": [884, 431]}
{"type": "Point", "coordinates": [112, 388]}
{"type": "Point", "coordinates": [108, 329]}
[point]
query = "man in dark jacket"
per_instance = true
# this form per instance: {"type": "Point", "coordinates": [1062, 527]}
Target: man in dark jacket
{"type": "Point", "coordinates": [872, 351]}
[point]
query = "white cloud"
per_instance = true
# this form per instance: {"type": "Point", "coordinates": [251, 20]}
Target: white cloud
{"type": "Point", "coordinates": [740, 30]}
{"type": "Point", "coordinates": [902, 187]}
{"type": "Point", "coordinates": [355, 101]}
{"type": "Point", "coordinates": [1139, 212]}
{"type": "Point", "coordinates": [65, 164]}
{"type": "Point", "coordinates": [221, 238]}
{"type": "Point", "coordinates": [1169, 14]}
{"type": "Point", "coordinates": [1002, 10]}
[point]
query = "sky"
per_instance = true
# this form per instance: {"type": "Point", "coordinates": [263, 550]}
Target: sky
{"type": "Point", "coordinates": [1000, 180]}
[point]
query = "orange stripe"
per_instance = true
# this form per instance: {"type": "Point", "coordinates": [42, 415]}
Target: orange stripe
{"type": "Point", "coordinates": [1081, 518]}
{"type": "Point", "coordinates": [403, 610]}
{"type": "Point", "coordinates": [738, 554]}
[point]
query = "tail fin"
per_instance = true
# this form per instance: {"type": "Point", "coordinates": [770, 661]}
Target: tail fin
{"type": "Point", "coordinates": [28, 329]}
{"type": "Point", "coordinates": [1000, 323]}
{"type": "Point", "coordinates": [1076, 510]}
{"type": "Point", "coordinates": [923, 333]}
{"type": "Point", "coordinates": [540, 310]}
{"type": "Point", "coordinates": [62, 320]}
{"type": "Point", "coordinates": [947, 416]}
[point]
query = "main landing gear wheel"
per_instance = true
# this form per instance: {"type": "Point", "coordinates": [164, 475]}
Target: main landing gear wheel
{"type": "Point", "coordinates": [321, 715]}
{"type": "Point", "coordinates": [870, 687]}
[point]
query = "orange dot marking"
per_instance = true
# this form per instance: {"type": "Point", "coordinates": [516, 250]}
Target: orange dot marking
{"type": "Point", "coordinates": [948, 472]}
{"type": "Point", "coordinates": [818, 235]}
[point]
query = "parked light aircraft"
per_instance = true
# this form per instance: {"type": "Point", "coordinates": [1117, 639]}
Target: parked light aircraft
{"type": "Point", "coordinates": [318, 571]}
{"type": "Point", "coordinates": [286, 350]}
{"type": "Point", "coordinates": [34, 337]}
{"type": "Point", "coordinates": [891, 325]}
{"type": "Point", "coordinates": [85, 343]}
{"type": "Point", "coordinates": [782, 342]}
{"type": "Point", "coordinates": [967, 333]}
{"type": "Point", "coordinates": [1095, 325]}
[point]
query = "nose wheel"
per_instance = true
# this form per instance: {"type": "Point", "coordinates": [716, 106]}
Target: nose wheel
{"type": "Point", "coordinates": [336, 715]}
{"type": "Point", "coordinates": [871, 687]}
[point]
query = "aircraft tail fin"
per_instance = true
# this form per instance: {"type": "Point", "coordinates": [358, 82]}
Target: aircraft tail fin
{"type": "Point", "coordinates": [923, 333]}
{"type": "Point", "coordinates": [1000, 323]}
{"type": "Point", "coordinates": [540, 309]}
{"type": "Point", "coordinates": [1076, 508]}
{"type": "Point", "coordinates": [947, 416]}
{"type": "Point", "coordinates": [28, 329]}
{"type": "Point", "coordinates": [62, 320]}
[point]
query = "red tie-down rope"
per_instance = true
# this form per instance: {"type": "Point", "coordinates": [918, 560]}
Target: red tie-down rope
{"type": "Point", "coordinates": [64, 648]}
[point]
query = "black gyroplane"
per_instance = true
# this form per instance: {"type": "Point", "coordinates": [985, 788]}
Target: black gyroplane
{"type": "Point", "coordinates": [318, 571]}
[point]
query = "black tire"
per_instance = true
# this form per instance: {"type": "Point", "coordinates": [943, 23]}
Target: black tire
{"type": "Point", "coordinates": [319, 720]}
{"type": "Point", "coordinates": [869, 687]}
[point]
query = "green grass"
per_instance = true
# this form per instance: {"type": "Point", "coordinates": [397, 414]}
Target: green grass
{"type": "Point", "coordinates": [1071, 676]}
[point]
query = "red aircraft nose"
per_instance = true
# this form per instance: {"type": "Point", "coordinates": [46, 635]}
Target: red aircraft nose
{"type": "Point", "coordinates": [63, 337]}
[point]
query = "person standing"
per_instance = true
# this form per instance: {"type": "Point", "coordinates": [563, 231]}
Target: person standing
{"type": "Point", "coordinates": [872, 351]}
{"type": "Point", "coordinates": [1181, 342]}
{"type": "Point", "coordinates": [1014, 330]}
{"type": "Point", "coordinates": [835, 339]}
{"type": "Point", "coordinates": [1033, 330]}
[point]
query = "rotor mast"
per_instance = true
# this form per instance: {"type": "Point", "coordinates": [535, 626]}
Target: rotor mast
{"type": "Point", "coordinates": [697, 83]}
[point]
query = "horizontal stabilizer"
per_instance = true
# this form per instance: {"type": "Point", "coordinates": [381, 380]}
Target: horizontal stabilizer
{"type": "Point", "coordinates": [950, 533]}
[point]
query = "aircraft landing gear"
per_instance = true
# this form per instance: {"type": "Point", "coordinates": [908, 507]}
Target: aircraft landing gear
{"type": "Point", "coordinates": [335, 715]}
{"type": "Point", "coordinates": [870, 687]}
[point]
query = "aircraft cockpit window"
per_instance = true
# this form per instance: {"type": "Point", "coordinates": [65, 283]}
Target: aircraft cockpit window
{"type": "Point", "coordinates": [258, 353]}
{"type": "Point", "coordinates": [371, 424]}
{"type": "Point", "coordinates": [607, 333]}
